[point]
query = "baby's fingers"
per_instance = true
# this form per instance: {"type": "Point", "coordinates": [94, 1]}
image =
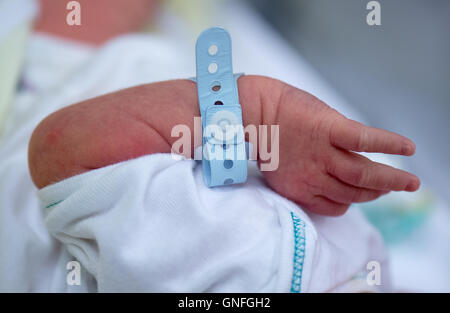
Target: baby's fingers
{"type": "Point", "coordinates": [338, 191]}
{"type": "Point", "coordinates": [324, 206]}
{"type": "Point", "coordinates": [357, 170]}
{"type": "Point", "coordinates": [351, 135]}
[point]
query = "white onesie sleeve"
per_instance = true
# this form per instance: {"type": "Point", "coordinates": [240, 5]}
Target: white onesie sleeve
{"type": "Point", "coordinates": [150, 224]}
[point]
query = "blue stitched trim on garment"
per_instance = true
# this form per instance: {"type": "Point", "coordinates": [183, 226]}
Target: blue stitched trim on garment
{"type": "Point", "coordinates": [53, 204]}
{"type": "Point", "coordinates": [299, 252]}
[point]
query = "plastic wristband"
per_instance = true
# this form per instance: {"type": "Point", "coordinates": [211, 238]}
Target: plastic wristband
{"type": "Point", "coordinates": [224, 159]}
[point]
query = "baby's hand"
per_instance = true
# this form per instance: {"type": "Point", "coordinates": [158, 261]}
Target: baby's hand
{"type": "Point", "coordinates": [318, 168]}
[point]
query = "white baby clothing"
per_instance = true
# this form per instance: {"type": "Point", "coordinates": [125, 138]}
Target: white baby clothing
{"type": "Point", "coordinates": [150, 224]}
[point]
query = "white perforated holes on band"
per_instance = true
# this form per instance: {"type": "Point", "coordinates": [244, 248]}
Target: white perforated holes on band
{"type": "Point", "coordinates": [212, 50]}
{"type": "Point", "coordinates": [212, 68]}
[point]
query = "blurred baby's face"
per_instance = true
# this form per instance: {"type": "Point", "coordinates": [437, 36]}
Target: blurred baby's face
{"type": "Point", "coordinates": [138, 11]}
{"type": "Point", "coordinates": [100, 19]}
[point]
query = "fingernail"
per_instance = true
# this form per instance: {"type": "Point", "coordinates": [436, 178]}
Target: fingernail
{"type": "Point", "coordinates": [413, 185]}
{"type": "Point", "coordinates": [408, 148]}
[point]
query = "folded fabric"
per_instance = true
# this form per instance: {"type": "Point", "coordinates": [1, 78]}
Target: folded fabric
{"type": "Point", "coordinates": [15, 24]}
{"type": "Point", "coordinates": [150, 224]}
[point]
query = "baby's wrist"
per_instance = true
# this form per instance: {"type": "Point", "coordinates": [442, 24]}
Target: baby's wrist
{"type": "Point", "coordinates": [131, 123]}
{"type": "Point", "coordinates": [259, 97]}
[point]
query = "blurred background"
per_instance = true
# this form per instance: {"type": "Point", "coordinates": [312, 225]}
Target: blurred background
{"type": "Point", "coordinates": [397, 75]}
{"type": "Point", "coordinates": [394, 76]}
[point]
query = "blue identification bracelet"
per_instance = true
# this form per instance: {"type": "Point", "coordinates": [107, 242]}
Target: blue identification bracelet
{"type": "Point", "coordinates": [224, 158]}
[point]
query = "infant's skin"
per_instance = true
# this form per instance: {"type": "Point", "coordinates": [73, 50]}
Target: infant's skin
{"type": "Point", "coordinates": [101, 20]}
{"type": "Point", "coordinates": [318, 168]}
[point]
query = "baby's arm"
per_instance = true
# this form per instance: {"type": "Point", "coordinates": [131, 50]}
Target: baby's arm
{"type": "Point", "coordinates": [121, 126]}
{"type": "Point", "coordinates": [317, 167]}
